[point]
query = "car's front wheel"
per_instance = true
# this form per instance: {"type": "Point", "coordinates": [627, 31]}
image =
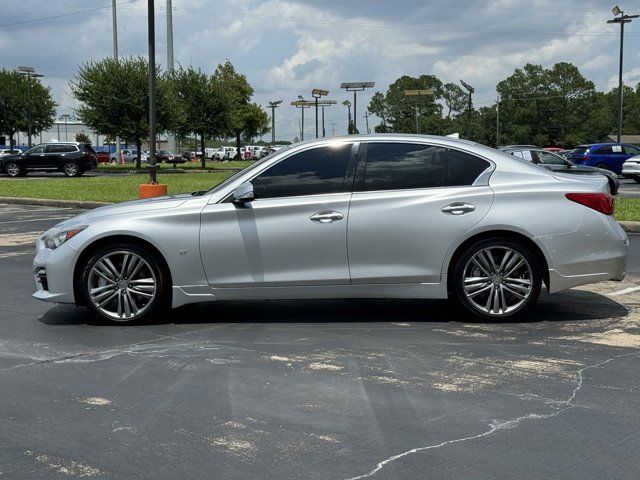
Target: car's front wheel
{"type": "Point", "coordinates": [497, 279]}
{"type": "Point", "coordinates": [124, 283]}
{"type": "Point", "coordinates": [14, 170]}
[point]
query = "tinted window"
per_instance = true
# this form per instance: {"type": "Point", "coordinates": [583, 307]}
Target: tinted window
{"type": "Point", "coordinates": [397, 166]}
{"type": "Point", "coordinates": [463, 168]}
{"type": "Point", "coordinates": [60, 148]}
{"type": "Point", "coordinates": [604, 150]}
{"type": "Point", "coordinates": [631, 150]}
{"type": "Point", "coordinates": [36, 150]}
{"type": "Point", "coordinates": [312, 172]}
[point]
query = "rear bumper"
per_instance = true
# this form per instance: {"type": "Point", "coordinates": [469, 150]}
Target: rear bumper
{"type": "Point", "coordinates": [596, 252]}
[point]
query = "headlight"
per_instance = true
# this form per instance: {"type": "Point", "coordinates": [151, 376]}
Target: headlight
{"type": "Point", "coordinates": [55, 239]}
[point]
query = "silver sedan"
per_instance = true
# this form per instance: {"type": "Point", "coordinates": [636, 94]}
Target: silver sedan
{"type": "Point", "coordinates": [379, 216]}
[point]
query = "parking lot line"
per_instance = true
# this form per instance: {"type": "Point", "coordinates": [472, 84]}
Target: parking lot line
{"type": "Point", "coordinates": [624, 291]}
{"type": "Point", "coordinates": [37, 219]}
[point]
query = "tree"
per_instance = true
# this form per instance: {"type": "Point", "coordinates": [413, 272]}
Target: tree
{"type": "Point", "coordinates": [114, 99]}
{"type": "Point", "coordinates": [204, 105]}
{"type": "Point", "coordinates": [23, 99]}
{"type": "Point", "coordinates": [246, 120]}
{"type": "Point", "coordinates": [455, 99]}
{"type": "Point", "coordinates": [82, 137]}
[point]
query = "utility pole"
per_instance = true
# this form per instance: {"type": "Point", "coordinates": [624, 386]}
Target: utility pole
{"type": "Point", "coordinates": [621, 18]}
{"type": "Point", "coordinates": [170, 63]}
{"type": "Point", "coordinates": [114, 21]}
{"type": "Point", "coordinates": [153, 166]}
{"type": "Point", "coordinates": [65, 117]}
{"type": "Point", "coordinates": [498, 121]}
{"type": "Point", "coordinates": [356, 87]}
{"type": "Point", "coordinates": [418, 94]}
{"type": "Point", "coordinates": [333, 128]}
{"type": "Point", "coordinates": [470, 89]}
{"type": "Point", "coordinates": [366, 119]}
{"type": "Point", "coordinates": [273, 106]}
{"type": "Point", "coordinates": [347, 104]}
{"type": "Point", "coordinates": [30, 73]}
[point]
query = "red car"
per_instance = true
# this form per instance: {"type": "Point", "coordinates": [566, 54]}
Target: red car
{"type": "Point", "coordinates": [102, 157]}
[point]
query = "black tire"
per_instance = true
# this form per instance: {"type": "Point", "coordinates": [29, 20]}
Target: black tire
{"type": "Point", "coordinates": [14, 169]}
{"type": "Point", "coordinates": [603, 166]}
{"type": "Point", "coordinates": [465, 265]}
{"type": "Point", "coordinates": [161, 300]}
{"type": "Point", "coordinates": [636, 178]}
{"type": "Point", "coordinates": [71, 169]}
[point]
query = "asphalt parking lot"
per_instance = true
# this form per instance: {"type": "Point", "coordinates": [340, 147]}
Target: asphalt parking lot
{"type": "Point", "coordinates": [316, 389]}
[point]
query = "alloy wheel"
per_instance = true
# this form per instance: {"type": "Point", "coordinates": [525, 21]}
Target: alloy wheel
{"type": "Point", "coordinates": [122, 285]}
{"type": "Point", "coordinates": [70, 169]}
{"type": "Point", "coordinates": [497, 280]}
{"type": "Point", "coordinates": [12, 169]}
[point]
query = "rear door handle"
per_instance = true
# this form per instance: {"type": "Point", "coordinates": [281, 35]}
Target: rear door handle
{"type": "Point", "coordinates": [458, 208]}
{"type": "Point", "coordinates": [326, 217]}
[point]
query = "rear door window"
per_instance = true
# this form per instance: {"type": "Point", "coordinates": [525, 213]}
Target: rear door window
{"type": "Point", "coordinates": [463, 168]}
{"type": "Point", "coordinates": [604, 150]}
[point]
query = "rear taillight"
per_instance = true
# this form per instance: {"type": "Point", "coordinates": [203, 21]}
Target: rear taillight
{"type": "Point", "coordinates": [601, 202]}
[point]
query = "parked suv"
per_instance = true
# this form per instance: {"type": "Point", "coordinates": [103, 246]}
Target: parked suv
{"type": "Point", "coordinates": [610, 156]}
{"type": "Point", "coordinates": [71, 158]}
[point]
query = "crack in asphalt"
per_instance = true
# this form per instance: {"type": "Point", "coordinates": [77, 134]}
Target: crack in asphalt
{"type": "Point", "coordinates": [112, 352]}
{"type": "Point", "coordinates": [496, 426]}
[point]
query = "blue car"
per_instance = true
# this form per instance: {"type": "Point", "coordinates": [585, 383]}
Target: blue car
{"type": "Point", "coordinates": [609, 156]}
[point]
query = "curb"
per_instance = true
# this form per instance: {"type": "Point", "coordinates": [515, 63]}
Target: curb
{"type": "Point", "coordinates": [52, 202]}
{"type": "Point", "coordinates": [630, 227]}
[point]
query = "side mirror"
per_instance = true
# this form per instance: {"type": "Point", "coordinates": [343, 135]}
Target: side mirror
{"type": "Point", "coordinates": [243, 194]}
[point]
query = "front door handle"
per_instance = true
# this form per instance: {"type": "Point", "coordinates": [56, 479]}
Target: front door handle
{"type": "Point", "coordinates": [458, 208]}
{"type": "Point", "coordinates": [326, 217]}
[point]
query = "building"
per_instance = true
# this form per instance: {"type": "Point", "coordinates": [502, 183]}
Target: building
{"type": "Point", "coordinates": [632, 139]}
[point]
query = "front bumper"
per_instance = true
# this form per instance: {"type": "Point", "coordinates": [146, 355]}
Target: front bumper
{"type": "Point", "coordinates": [55, 267]}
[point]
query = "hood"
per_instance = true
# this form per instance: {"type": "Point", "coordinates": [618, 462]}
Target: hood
{"type": "Point", "coordinates": [16, 156]}
{"type": "Point", "coordinates": [145, 205]}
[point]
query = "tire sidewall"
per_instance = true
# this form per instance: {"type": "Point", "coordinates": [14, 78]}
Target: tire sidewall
{"type": "Point", "coordinates": [458, 279]}
{"type": "Point", "coordinates": [162, 297]}
{"type": "Point", "coordinates": [20, 169]}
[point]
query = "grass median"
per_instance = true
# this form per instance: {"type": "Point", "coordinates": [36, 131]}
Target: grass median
{"type": "Point", "coordinates": [125, 187]}
{"type": "Point", "coordinates": [104, 189]}
{"type": "Point", "coordinates": [231, 164]}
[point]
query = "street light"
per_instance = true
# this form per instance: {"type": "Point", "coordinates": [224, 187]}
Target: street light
{"type": "Point", "coordinates": [316, 93]}
{"type": "Point", "coordinates": [356, 87]}
{"type": "Point", "coordinates": [470, 89]}
{"type": "Point", "coordinates": [620, 18]}
{"type": "Point", "coordinates": [30, 73]}
{"type": "Point", "coordinates": [322, 104]}
{"type": "Point", "coordinates": [301, 103]}
{"type": "Point", "coordinates": [273, 106]}
{"type": "Point", "coordinates": [418, 94]}
{"type": "Point", "coordinates": [65, 117]}
{"type": "Point", "coordinates": [347, 104]}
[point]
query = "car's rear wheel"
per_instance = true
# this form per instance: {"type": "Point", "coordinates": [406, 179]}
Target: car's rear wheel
{"type": "Point", "coordinates": [124, 283]}
{"type": "Point", "coordinates": [14, 169]}
{"type": "Point", "coordinates": [636, 178]}
{"type": "Point", "coordinates": [497, 279]}
{"type": "Point", "coordinates": [603, 166]}
{"type": "Point", "coordinates": [71, 169]}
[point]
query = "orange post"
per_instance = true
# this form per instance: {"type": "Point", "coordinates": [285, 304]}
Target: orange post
{"type": "Point", "coordinates": [150, 190]}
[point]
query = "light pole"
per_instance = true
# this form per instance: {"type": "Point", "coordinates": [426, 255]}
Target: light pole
{"type": "Point", "coordinates": [65, 117]}
{"type": "Point", "coordinates": [114, 26]}
{"type": "Point", "coordinates": [418, 94]}
{"type": "Point", "coordinates": [347, 104]}
{"type": "Point", "coordinates": [273, 106]}
{"type": "Point", "coordinates": [356, 87]}
{"type": "Point", "coordinates": [317, 93]}
{"type": "Point", "coordinates": [152, 92]}
{"type": "Point", "coordinates": [322, 104]}
{"type": "Point", "coordinates": [470, 89]}
{"type": "Point", "coordinates": [30, 73]}
{"type": "Point", "coordinates": [620, 18]}
{"type": "Point", "coordinates": [301, 103]}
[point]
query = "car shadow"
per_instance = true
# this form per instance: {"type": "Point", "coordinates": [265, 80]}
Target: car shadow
{"type": "Point", "coordinates": [572, 305]}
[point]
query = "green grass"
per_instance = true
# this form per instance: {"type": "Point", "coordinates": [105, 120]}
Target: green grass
{"type": "Point", "coordinates": [627, 209]}
{"type": "Point", "coordinates": [106, 167]}
{"type": "Point", "coordinates": [104, 189]}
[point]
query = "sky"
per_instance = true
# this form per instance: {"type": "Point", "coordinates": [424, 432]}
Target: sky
{"type": "Point", "coordinates": [287, 48]}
